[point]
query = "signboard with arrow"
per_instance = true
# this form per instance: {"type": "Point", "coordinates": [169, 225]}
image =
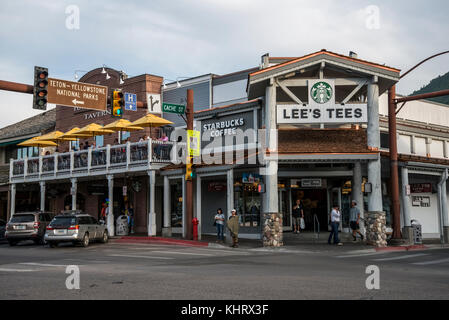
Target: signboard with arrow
{"type": "Point", "coordinates": [77, 94]}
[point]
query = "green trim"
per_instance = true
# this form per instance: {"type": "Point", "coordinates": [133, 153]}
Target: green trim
{"type": "Point", "coordinates": [4, 144]}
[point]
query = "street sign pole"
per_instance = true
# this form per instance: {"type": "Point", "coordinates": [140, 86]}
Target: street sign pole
{"type": "Point", "coordinates": [189, 158]}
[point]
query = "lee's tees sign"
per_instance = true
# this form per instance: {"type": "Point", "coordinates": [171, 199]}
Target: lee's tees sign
{"type": "Point", "coordinates": [77, 94]}
{"type": "Point", "coordinates": [322, 107]}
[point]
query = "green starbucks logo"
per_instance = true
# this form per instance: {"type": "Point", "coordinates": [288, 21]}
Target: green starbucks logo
{"type": "Point", "coordinates": [321, 92]}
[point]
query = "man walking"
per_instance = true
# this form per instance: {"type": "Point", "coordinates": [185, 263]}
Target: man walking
{"type": "Point", "coordinates": [233, 226]}
{"type": "Point", "coordinates": [354, 220]}
{"type": "Point", "coordinates": [297, 214]}
{"type": "Point", "coordinates": [335, 224]}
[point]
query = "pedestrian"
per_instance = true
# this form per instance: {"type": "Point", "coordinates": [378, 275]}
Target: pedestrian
{"type": "Point", "coordinates": [219, 223]}
{"type": "Point", "coordinates": [297, 214]}
{"type": "Point", "coordinates": [233, 226]}
{"type": "Point", "coordinates": [103, 212]}
{"type": "Point", "coordinates": [354, 220]}
{"type": "Point", "coordinates": [335, 224]}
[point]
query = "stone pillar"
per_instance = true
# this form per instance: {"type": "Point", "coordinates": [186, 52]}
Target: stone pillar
{"type": "Point", "coordinates": [166, 230]}
{"type": "Point", "coordinates": [110, 218]}
{"type": "Point", "coordinates": [357, 194]}
{"type": "Point", "coordinates": [13, 200]}
{"type": "Point", "coordinates": [373, 137]}
{"type": "Point", "coordinates": [376, 228]}
{"type": "Point", "coordinates": [271, 217]}
{"type": "Point", "coordinates": [229, 202]}
{"type": "Point", "coordinates": [151, 213]}
{"type": "Point", "coordinates": [42, 185]}
{"type": "Point", "coordinates": [407, 231]}
{"type": "Point", "coordinates": [74, 191]}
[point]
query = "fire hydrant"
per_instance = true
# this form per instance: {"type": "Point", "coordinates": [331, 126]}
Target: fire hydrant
{"type": "Point", "coordinates": [195, 223]}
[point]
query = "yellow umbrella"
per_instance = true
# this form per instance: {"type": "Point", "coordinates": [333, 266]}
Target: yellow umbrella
{"type": "Point", "coordinates": [150, 120]}
{"type": "Point", "coordinates": [55, 136]}
{"type": "Point", "coordinates": [35, 142]}
{"type": "Point", "coordinates": [122, 125]}
{"type": "Point", "coordinates": [71, 134]}
{"type": "Point", "coordinates": [92, 130]}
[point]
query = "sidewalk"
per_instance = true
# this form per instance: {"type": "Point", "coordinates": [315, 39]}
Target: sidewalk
{"type": "Point", "coordinates": [303, 242]}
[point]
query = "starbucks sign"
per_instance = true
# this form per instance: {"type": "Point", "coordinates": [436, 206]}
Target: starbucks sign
{"type": "Point", "coordinates": [321, 92]}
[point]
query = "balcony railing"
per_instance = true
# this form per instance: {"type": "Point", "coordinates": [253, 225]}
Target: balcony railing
{"type": "Point", "coordinates": [117, 157]}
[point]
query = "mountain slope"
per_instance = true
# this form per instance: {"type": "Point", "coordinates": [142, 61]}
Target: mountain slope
{"type": "Point", "coordinates": [437, 84]}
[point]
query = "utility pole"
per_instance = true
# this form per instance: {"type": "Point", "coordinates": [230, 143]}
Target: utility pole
{"type": "Point", "coordinates": [189, 162]}
{"type": "Point", "coordinates": [392, 130]}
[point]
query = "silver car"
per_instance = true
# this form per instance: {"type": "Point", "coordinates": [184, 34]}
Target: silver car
{"type": "Point", "coordinates": [75, 227]}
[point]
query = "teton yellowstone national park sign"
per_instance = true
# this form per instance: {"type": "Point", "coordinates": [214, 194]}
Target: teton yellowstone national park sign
{"type": "Point", "coordinates": [77, 94]}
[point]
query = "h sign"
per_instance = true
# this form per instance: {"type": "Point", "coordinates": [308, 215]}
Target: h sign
{"type": "Point", "coordinates": [130, 101]}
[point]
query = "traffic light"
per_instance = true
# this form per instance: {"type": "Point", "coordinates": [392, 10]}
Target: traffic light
{"type": "Point", "coordinates": [190, 173]}
{"type": "Point", "coordinates": [40, 90]}
{"type": "Point", "coordinates": [118, 101]}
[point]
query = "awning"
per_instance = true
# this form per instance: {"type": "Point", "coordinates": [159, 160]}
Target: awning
{"type": "Point", "coordinates": [3, 144]}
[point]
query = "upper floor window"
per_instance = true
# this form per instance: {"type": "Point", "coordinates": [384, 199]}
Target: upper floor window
{"type": "Point", "coordinates": [27, 152]}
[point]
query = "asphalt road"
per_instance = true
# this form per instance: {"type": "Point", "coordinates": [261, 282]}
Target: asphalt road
{"type": "Point", "coordinates": [136, 271]}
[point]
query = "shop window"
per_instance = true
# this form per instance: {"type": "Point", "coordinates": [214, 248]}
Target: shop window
{"type": "Point", "coordinates": [384, 140]}
{"type": "Point", "coordinates": [99, 141]}
{"type": "Point", "coordinates": [125, 136]}
{"type": "Point", "coordinates": [176, 205]}
{"type": "Point", "coordinates": [247, 201]}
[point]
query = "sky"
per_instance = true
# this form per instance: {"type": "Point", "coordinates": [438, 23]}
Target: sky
{"type": "Point", "coordinates": [186, 38]}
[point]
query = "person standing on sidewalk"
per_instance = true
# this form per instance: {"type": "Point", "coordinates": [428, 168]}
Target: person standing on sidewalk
{"type": "Point", "coordinates": [233, 226]}
{"type": "Point", "coordinates": [219, 222]}
{"type": "Point", "coordinates": [335, 224]}
{"type": "Point", "coordinates": [354, 220]}
{"type": "Point", "coordinates": [297, 214]}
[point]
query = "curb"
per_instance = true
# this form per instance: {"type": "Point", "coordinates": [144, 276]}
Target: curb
{"type": "Point", "coordinates": [402, 248]}
{"type": "Point", "coordinates": [187, 243]}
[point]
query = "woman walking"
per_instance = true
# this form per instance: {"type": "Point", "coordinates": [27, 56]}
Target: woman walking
{"type": "Point", "coordinates": [219, 222]}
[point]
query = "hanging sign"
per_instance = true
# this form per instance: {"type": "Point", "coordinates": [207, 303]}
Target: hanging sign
{"type": "Point", "coordinates": [322, 107]}
{"type": "Point", "coordinates": [193, 143]}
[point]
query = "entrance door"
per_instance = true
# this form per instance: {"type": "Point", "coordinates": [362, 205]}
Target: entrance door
{"type": "Point", "coordinates": [284, 199]}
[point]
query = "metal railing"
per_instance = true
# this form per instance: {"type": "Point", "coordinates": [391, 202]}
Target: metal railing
{"type": "Point", "coordinates": [98, 159]}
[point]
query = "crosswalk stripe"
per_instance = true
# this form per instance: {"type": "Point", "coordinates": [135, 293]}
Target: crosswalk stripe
{"type": "Point", "coordinates": [424, 263]}
{"type": "Point", "coordinates": [42, 264]}
{"type": "Point", "coordinates": [138, 256]}
{"type": "Point", "coordinates": [186, 253]}
{"type": "Point", "coordinates": [16, 270]}
{"type": "Point", "coordinates": [358, 255]}
{"type": "Point", "coordinates": [402, 257]}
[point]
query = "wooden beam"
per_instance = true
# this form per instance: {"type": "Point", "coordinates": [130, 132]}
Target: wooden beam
{"type": "Point", "coordinates": [289, 93]}
{"type": "Point", "coordinates": [354, 92]}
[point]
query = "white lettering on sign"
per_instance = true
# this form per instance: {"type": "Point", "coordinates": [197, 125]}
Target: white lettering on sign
{"type": "Point", "coordinates": [298, 114]}
{"type": "Point", "coordinates": [223, 128]}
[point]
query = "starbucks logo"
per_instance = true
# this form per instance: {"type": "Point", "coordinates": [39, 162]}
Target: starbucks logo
{"type": "Point", "coordinates": [321, 92]}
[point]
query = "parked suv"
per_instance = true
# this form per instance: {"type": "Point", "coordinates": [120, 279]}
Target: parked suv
{"type": "Point", "coordinates": [76, 227]}
{"type": "Point", "coordinates": [27, 226]}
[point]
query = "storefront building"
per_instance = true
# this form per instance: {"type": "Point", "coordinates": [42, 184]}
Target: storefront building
{"type": "Point", "coordinates": [312, 128]}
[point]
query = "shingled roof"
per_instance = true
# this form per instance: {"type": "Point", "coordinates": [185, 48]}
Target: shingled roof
{"type": "Point", "coordinates": [41, 123]}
